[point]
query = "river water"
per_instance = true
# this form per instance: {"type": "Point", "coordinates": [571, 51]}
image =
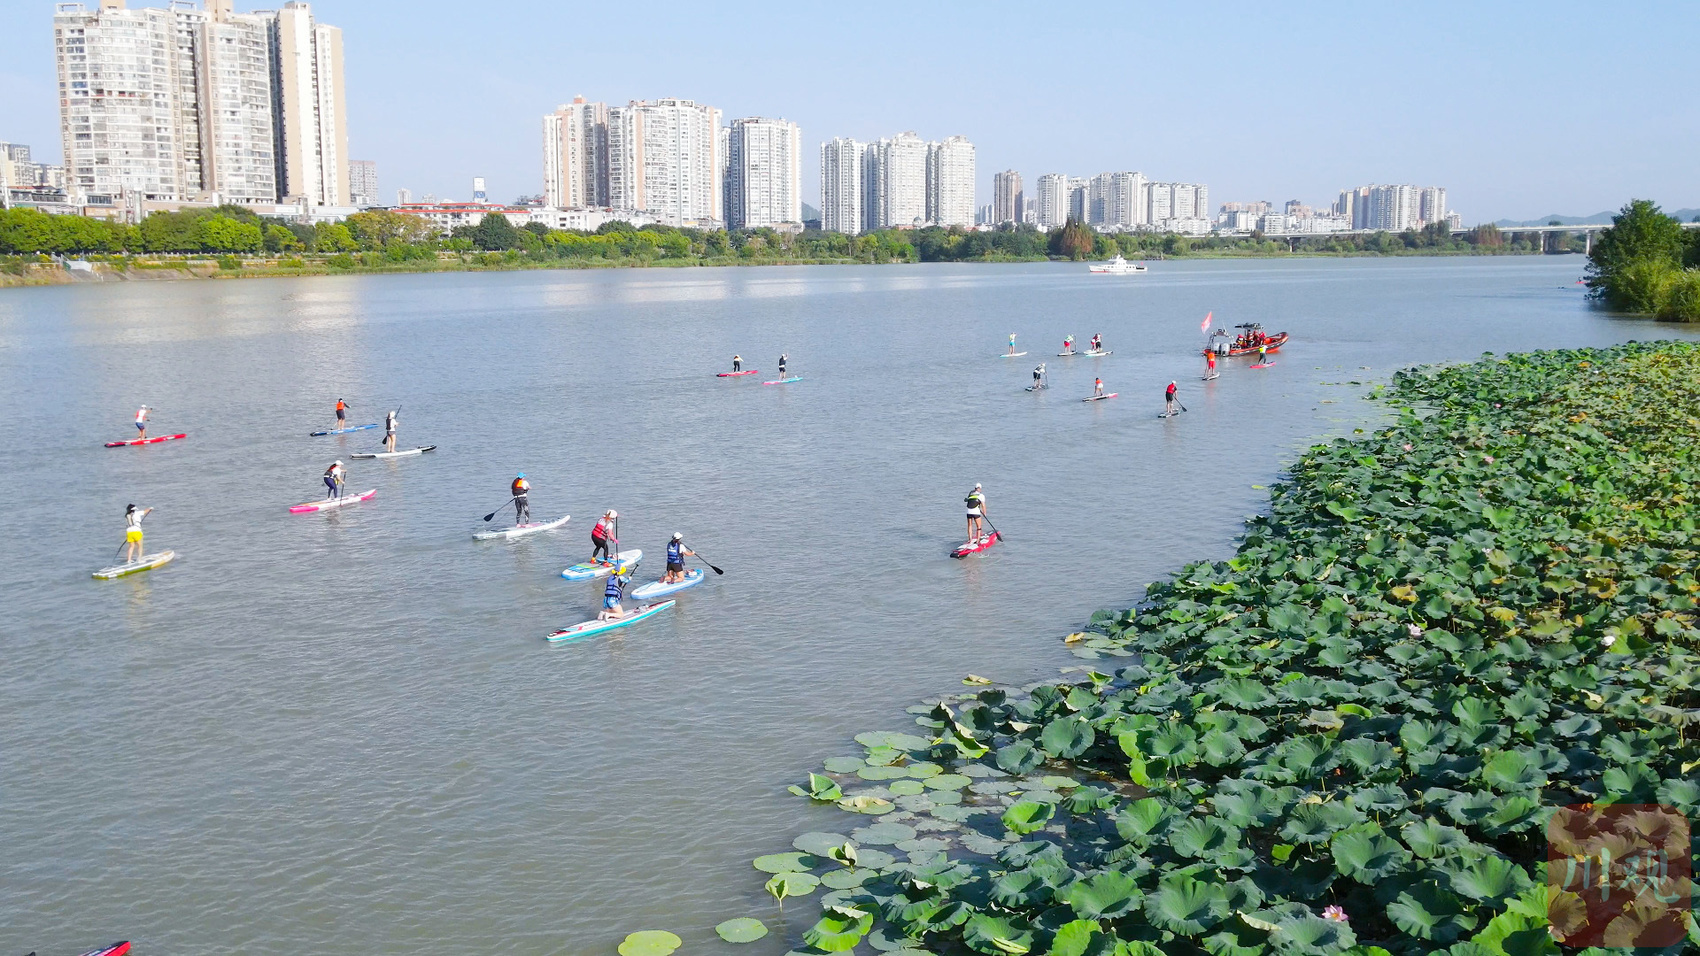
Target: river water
{"type": "Point", "coordinates": [344, 734]}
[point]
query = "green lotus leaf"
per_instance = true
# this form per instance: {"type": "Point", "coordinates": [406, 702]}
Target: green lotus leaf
{"type": "Point", "coordinates": [1028, 816]}
{"type": "Point", "coordinates": [823, 789]}
{"type": "Point", "coordinates": [847, 879]}
{"type": "Point", "coordinates": [1056, 782]}
{"type": "Point", "coordinates": [1185, 906]}
{"type": "Point", "coordinates": [1472, 712]}
{"type": "Point", "coordinates": [744, 929]}
{"type": "Point", "coordinates": [1429, 912]}
{"type": "Point", "coordinates": [787, 862]}
{"type": "Point", "coordinates": [923, 770]}
{"type": "Point", "coordinates": [1081, 937]}
{"type": "Point", "coordinates": [1021, 888]}
{"type": "Point", "coordinates": [786, 885]}
{"type": "Point", "coordinates": [1220, 749]}
{"type": "Point", "coordinates": [1576, 725]}
{"type": "Point", "coordinates": [843, 764]}
{"type": "Point", "coordinates": [1203, 838]}
{"type": "Point", "coordinates": [1514, 813]}
{"type": "Point", "coordinates": [905, 788]}
{"type": "Point", "coordinates": [1367, 756]}
{"type": "Point", "coordinates": [1104, 895]}
{"type": "Point", "coordinates": [1020, 757]}
{"type": "Point", "coordinates": [839, 929]}
{"type": "Point", "coordinates": [1255, 806]}
{"type": "Point", "coordinates": [947, 781]}
{"type": "Point", "coordinates": [1066, 737]}
{"type": "Point", "coordinates": [883, 756]}
{"type": "Point", "coordinates": [1317, 822]}
{"type": "Point", "coordinates": [844, 854]}
{"type": "Point", "coordinates": [1143, 819]}
{"type": "Point", "coordinates": [922, 846]}
{"type": "Point", "coordinates": [819, 844]}
{"type": "Point", "coordinates": [1383, 798]}
{"type": "Point", "coordinates": [881, 772]}
{"type": "Point", "coordinates": [1368, 855]}
{"type": "Point", "coordinates": [1312, 936]}
{"type": "Point", "coordinates": [1472, 808]}
{"type": "Point", "coordinates": [1429, 839]}
{"type": "Point", "coordinates": [650, 942]}
{"type": "Point", "coordinates": [1684, 794]}
{"type": "Point", "coordinates": [1629, 784]}
{"type": "Point", "coordinates": [1488, 878]}
{"type": "Point", "coordinates": [1244, 693]}
{"type": "Point", "coordinates": [997, 935]}
{"type": "Point", "coordinates": [1176, 743]}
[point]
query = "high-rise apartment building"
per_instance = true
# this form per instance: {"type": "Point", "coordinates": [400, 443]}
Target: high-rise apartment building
{"type": "Point", "coordinates": [843, 195]}
{"type": "Point", "coordinates": [363, 182]}
{"type": "Point", "coordinates": [1394, 208]}
{"type": "Point", "coordinates": [764, 165]}
{"type": "Point", "coordinates": [403, 196]}
{"type": "Point", "coordinates": [183, 104]}
{"type": "Point", "coordinates": [1431, 205]}
{"type": "Point", "coordinates": [950, 182]}
{"type": "Point", "coordinates": [575, 156]}
{"type": "Point", "coordinates": [1007, 197]}
{"type": "Point", "coordinates": [1051, 201]}
{"type": "Point", "coordinates": [873, 187]}
{"type": "Point", "coordinates": [312, 103]}
{"type": "Point", "coordinates": [903, 181]}
{"type": "Point", "coordinates": [664, 160]}
{"type": "Point", "coordinates": [1078, 198]}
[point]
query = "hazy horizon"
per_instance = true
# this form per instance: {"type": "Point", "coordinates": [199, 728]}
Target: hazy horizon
{"type": "Point", "coordinates": [1520, 112]}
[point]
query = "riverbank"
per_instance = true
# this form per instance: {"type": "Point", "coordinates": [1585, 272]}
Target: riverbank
{"type": "Point", "coordinates": [1352, 734]}
{"type": "Point", "coordinates": [28, 271]}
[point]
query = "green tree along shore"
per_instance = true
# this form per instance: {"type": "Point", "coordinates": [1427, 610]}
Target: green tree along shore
{"type": "Point", "coordinates": [1347, 739]}
{"type": "Point", "coordinates": [1647, 263]}
{"type": "Point", "coordinates": [387, 241]}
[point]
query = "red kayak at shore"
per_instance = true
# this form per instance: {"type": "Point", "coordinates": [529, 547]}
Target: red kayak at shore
{"type": "Point", "coordinates": [144, 441]}
{"type": "Point", "coordinates": [971, 547]}
{"type": "Point", "coordinates": [736, 374]}
{"type": "Point", "coordinates": [116, 949]}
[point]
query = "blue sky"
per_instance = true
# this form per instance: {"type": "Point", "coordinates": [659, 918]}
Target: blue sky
{"type": "Point", "coordinates": [1519, 108]}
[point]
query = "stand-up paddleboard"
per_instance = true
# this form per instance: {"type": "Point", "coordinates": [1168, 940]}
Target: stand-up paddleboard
{"type": "Point", "coordinates": [785, 381]}
{"type": "Point", "coordinates": [1012, 355]}
{"type": "Point", "coordinates": [588, 628]}
{"type": "Point", "coordinates": [1099, 398]}
{"type": "Point", "coordinates": [1099, 354]}
{"type": "Point", "coordinates": [1210, 378]}
{"type": "Point", "coordinates": [590, 570]}
{"type": "Point", "coordinates": [339, 431]}
{"type": "Point", "coordinates": [147, 563]}
{"type": "Point", "coordinates": [1267, 364]}
{"type": "Point", "coordinates": [330, 503]}
{"type": "Point", "coordinates": [1036, 388]}
{"type": "Point", "coordinates": [748, 371]}
{"type": "Point", "coordinates": [121, 948]}
{"type": "Point", "coordinates": [1167, 415]}
{"type": "Point", "coordinates": [693, 577]}
{"type": "Point", "coordinates": [144, 441]}
{"type": "Point", "coordinates": [521, 530]}
{"type": "Point", "coordinates": [1068, 353]}
{"type": "Point", "coordinates": [980, 544]}
{"type": "Point", "coordinates": [422, 449]}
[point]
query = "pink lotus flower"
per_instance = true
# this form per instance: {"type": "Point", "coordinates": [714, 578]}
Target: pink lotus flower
{"type": "Point", "coordinates": [1488, 459]}
{"type": "Point", "coordinates": [1415, 630]}
{"type": "Point", "coordinates": [1407, 446]}
{"type": "Point", "coordinates": [1334, 913]}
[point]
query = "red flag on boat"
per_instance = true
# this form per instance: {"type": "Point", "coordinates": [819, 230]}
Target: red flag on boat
{"type": "Point", "coordinates": [1205, 325]}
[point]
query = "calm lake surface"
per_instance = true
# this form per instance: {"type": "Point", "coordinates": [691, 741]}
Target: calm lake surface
{"type": "Point", "coordinates": [344, 734]}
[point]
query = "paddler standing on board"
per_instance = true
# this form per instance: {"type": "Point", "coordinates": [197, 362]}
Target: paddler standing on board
{"type": "Point", "coordinates": [1012, 343]}
{"type": "Point", "coordinates": [737, 363]}
{"type": "Point", "coordinates": [522, 503]}
{"type": "Point", "coordinates": [1210, 362]}
{"type": "Point", "coordinates": [602, 535]}
{"type": "Point", "coordinates": [676, 555]}
{"type": "Point", "coordinates": [1097, 388]}
{"type": "Point", "coordinates": [390, 421]}
{"type": "Point", "coordinates": [782, 358]}
{"type": "Point", "coordinates": [1068, 344]}
{"type": "Point", "coordinates": [335, 475]}
{"type": "Point", "coordinates": [1097, 342]}
{"type": "Point", "coordinates": [341, 414]}
{"type": "Point", "coordinates": [142, 422]}
{"type": "Point", "coordinates": [1038, 376]}
{"type": "Point", "coordinates": [1169, 401]}
{"type": "Point", "coordinates": [976, 502]}
{"type": "Point", "coordinates": [1263, 353]}
{"type": "Point", "coordinates": [133, 533]}
{"type": "Point", "coordinates": [613, 594]}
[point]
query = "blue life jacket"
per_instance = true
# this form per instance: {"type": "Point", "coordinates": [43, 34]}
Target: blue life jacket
{"type": "Point", "coordinates": [675, 552]}
{"type": "Point", "coordinates": [616, 588]}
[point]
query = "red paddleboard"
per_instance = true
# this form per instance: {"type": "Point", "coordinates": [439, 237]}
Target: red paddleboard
{"type": "Point", "coordinates": [144, 441]}
{"type": "Point", "coordinates": [116, 949]}
{"type": "Point", "coordinates": [963, 550]}
{"type": "Point", "coordinates": [736, 374]}
{"type": "Point", "coordinates": [1263, 365]}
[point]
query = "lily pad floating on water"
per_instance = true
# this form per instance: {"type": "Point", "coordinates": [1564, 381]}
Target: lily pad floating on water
{"type": "Point", "coordinates": [848, 879]}
{"type": "Point", "coordinates": [744, 929]}
{"type": "Point", "coordinates": [843, 764]}
{"type": "Point", "coordinates": [823, 789]}
{"type": "Point", "coordinates": [923, 770]}
{"type": "Point", "coordinates": [787, 862]}
{"type": "Point", "coordinates": [883, 834]}
{"type": "Point", "coordinates": [947, 781]}
{"type": "Point", "coordinates": [905, 788]}
{"type": "Point", "coordinates": [786, 885]}
{"type": "Point", "coordinates": [819, 844]}
{"type": "Point", "coordinates": [839, 930]}
{"type": "Point", "coordinates": [879, 772]}
{"type": "Point", "coordinates": [650, 942]}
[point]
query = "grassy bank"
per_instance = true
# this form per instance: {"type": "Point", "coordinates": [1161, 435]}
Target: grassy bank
{"type": "Point", "coordinates": [1348, 738]}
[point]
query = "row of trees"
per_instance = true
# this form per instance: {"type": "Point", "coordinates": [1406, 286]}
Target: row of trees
{"type": "Point", "coordinates": [236, 230]}
{"type": "Point", "coordinates": [1647, 263]}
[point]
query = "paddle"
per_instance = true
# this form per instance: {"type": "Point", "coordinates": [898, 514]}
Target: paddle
{"type": "Point", "coordinates": [500, 507]}
{"type": "Point", "coordinates": [710, 566]}
{"type": "Point", "coordinates": [989, 524]}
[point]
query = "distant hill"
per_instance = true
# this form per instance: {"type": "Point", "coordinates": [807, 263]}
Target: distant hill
{"type": "Point", "coordinates": [1685, 215]}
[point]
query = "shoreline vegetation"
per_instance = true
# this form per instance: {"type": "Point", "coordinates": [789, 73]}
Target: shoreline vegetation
{"type": "Point", "coordinates": [1647, 264]}
{"type": "Point", "coordinates": [1350, 737]}
{"type": "Point", "coordinates": [232, 242]}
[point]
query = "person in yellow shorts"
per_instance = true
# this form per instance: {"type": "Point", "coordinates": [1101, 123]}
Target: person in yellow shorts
{"type": "Point", "coordinates": [133, 533]}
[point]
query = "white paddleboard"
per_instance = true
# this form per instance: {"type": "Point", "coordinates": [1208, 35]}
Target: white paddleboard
{"type": "Point", "coordinates": [330, 503]}
{"type": "Point", "coordinates": [693, 577]}
{"type": "Point", "coordinates": [148, 562]}
{"type": "Point", "coordinates": [422, 449]}
{"type": "Point", "coordinates": [520, 531]}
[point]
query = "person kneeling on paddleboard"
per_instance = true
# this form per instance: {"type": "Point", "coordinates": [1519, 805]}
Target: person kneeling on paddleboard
{"type": "Point", "coordinates": [1169, 400]}
{"type": "Point", "coordinates": [133, 533]}
{"type": "Point", "coordinates": [390, 422]}
{"type": "Point", "coordinates": [976, 502]}
{"type": "Point", "coordinates": [737, 363]}
{"type": "Point", "coordinates": [522, 504]}
{"type": "Point", "coordinates": [334, 477]}
{"type": "Point", "coordinates": [676, 555]}
{"type": "Point", "coordinates": [602, 534]}
{"type": "Point", "coordinates": [613, 594]}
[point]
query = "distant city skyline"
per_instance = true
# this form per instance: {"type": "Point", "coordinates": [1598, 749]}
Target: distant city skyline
{"type": "Point", "coordinates": [1309, 112]}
